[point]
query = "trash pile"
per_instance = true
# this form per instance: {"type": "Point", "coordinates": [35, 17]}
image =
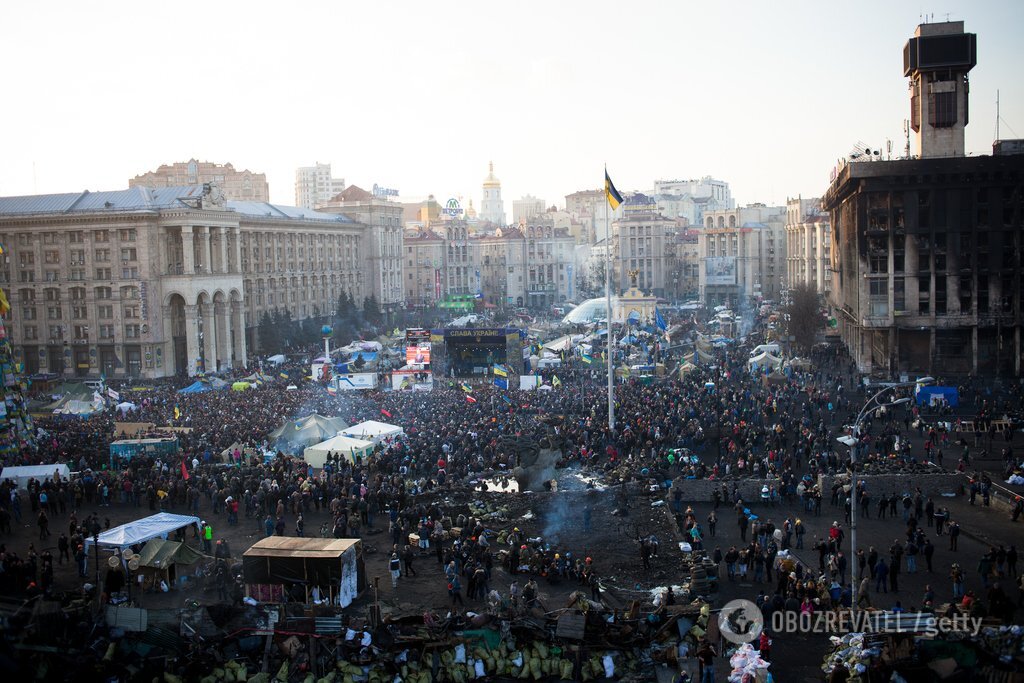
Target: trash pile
{"type": "Point", "coordinates": [852, 653]}
{"type": "Point", "coordinates": [747, 665]}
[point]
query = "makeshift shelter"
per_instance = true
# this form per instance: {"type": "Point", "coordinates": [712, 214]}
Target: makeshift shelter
{"type": "Point", "coordinates": [309, 570]}
{"type": "Point", "coordinates": [21, 475]}
{"type": "Point", "coordinates": [197, 387]}
{"type": "Point", "coordinates": [374, 431]}
{"type": "Point", "coordinates": [936, 395]}
{"type": "Point", "coordinates": [764, 360]}
{"type": "Point", "coordinates": [298, 433]}
{"type": "Point", "coordinates": [241, 386]}
{"type": "Point", "coordinates": [159, 525]}
{"type": "Point", "coordinates": [160, 559]}
{"type": "Point", "coordinates": [316, 455]}
{"type": "Point", "coordinates": [686, 368]}
{"type": "Point", "coordinates": [277, 359]}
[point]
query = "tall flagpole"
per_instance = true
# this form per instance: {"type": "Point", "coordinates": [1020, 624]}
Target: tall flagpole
{"type": "Point", "coordinates": [608, 294]}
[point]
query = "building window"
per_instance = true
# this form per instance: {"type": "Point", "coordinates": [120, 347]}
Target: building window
{"type": "Point", "coordinates": [129, 254]}
{"type": "Point", "coordinates": [942, 109]}
{"type": "Point", "coordinates": [127, 235]}
{"type": "Point", "coordinates": [103, 274]}
{"type": "Point", "coordinates": [100, 236]}
{"type": "Point", "coordinates": [131, 331]}
{"type": "Point", "coordinates": [31, 332]}
{"type": "Point", "coordinates": [106, 331]}
{"type": "Point", "coordinates": [53, 313]}
{"type": "Point", "coordinates": [105, 312]}
{"type": "Point", "coordinates": [103, 293]}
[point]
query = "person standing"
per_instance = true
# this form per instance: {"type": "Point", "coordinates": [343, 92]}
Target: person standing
{"type": "Point", "coordinates": [954, 535]}
{"type": "Point", "coordinates": [44, 525]}
{"type": "Point", "coordinates": [407, 558]}
{"type": "Point", "coordinates": [395, 567]}
{"type": "Point", "coordinates": [455, 590]}
{"type": "Point", "coordinates": [706, 655]}
{"type": "Point", "coordinates": [712, 523]}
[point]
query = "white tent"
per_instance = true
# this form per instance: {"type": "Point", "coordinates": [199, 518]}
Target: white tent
{"type": "Point", "coordinates": [277, 359]}
{"type": "Point", "coordinates": [343, 445]}
{"type": "Point", "coordinates": [141, 530]}
{"type": "Point", "coordinates": [561, 344]}
{"type": "Point", "coordinates": [22, 474]}
{"type": "Point", "coordinates": [764, 360]}
{"type": "Point", "coordinates": [374, 431]}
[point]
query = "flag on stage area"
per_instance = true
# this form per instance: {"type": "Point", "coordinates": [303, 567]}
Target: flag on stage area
{"type": "Point", "coordinates": [501, 383]}
{"type": "Point", "coordinates": [586, 359]}
{"type": "Point", "coordinates": [470, 399]}
{"type": "Point", "coordinates": [659, 320]}
{"type": "Point", "coordinates": [506, 399]}
{"type": "Point", "coordinates": [500, 371]}
{"type": "Point", "coordinates": [555, 382]}
{"type": "Point", "coordinates": [177, 413]}
{"type": "Point", "coordinates": [385, 413]}
{"type": "Point", "coordinates": [465, 387]}
{"type": "Point", "coordinates": [283, 375]}
{"type": "Point", "coordinates": [184, 471]}
{"type": "Point", "coordinates": [614, 198]}
{"type": "Point", "coordinates": [332, 391]}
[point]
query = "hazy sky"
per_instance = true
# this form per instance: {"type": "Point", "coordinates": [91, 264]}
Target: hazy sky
{"type": "Point", "coordinates": [420, 95]}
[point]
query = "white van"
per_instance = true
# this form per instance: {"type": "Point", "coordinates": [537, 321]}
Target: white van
{"type": "Point", "coordinates": [773, 349]}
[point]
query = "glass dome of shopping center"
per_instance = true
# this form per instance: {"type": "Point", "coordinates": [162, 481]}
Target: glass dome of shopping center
{"type": "Point", "coordinates": [591, 310]}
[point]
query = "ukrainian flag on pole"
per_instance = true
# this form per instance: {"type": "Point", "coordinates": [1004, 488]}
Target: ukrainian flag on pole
{"type": "Point", "coordinates": [614, 198]}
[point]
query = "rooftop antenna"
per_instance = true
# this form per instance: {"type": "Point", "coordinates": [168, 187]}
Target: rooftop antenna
{"type": "Point", "coordinates": [997, 116]}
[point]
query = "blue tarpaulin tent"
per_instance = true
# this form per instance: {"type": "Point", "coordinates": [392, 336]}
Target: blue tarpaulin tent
{"type": "Point", "coordinates": [196, 387]}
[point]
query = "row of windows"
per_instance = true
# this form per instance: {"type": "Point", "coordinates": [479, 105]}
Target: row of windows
{"type": "Point", "coordinates": [81, 332]}
{"type": "Point", "coordinates": [24, 239]}
{"type": "Point", "coordinates": [78, 274]}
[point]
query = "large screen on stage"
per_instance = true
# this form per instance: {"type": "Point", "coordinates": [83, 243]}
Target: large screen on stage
{"type": "Point", "coordinates": [417, 346]}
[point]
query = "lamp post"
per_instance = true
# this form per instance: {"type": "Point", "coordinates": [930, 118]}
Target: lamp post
{"type": "Point", "coordinates": [872, 405]}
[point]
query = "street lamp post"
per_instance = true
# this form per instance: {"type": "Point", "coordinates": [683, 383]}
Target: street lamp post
{"type": "Point", "coordinates": [873, 404]}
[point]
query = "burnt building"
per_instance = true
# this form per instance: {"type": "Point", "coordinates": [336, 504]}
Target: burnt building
{"type": "Point", "coordinates": [926, 251]}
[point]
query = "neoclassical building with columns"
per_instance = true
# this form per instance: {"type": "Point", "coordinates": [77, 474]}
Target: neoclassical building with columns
{"type": "Point", "coordinates": [151, 282]}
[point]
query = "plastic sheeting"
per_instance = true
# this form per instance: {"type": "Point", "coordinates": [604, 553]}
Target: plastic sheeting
{"type": "Point", "coordinates": [342, 445]}
{"type": "Point", "coordinates": [22, 474]}
{"type": "Point", "coordinates": [374, 431]}
{"type": "Point", "coordinates": [159, 525]}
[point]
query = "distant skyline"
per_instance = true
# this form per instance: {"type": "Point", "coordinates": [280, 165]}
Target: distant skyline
{"type": "Point", "coordinates": [421, 96]}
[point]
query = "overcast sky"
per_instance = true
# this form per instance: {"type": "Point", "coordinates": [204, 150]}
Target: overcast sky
{"type": "Point", "coordinates": [419, 96]}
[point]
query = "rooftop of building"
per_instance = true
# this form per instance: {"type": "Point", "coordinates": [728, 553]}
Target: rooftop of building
{"type": "Point", "coordinates": [932, 171]}
{"type": "Point", "coordinates": [149, 199]}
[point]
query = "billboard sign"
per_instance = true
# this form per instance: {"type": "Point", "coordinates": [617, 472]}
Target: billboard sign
{"type": "Point", "coordinates": [720, 270]}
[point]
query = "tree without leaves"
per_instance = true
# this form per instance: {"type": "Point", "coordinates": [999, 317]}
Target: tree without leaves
{"type": "Point", "coordinates": [805, 319]}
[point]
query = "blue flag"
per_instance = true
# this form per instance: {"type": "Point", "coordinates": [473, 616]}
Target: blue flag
{"type": "Point", "coordinates": [660, 321]}
{"type": "Point", "coordinates": [501, 383]}
{"type": "Point", "coordinates": [506, 399]}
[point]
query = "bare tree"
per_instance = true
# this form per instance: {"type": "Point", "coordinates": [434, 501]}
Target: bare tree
{"type": "Point", "coordinates": [804, 316]}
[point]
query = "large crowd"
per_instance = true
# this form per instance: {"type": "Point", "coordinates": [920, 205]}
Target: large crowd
{"type": "Point", "coordinates": [719, 422]}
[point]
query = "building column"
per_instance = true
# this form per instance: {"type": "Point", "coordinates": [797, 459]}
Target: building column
{"type": "Point", "coordinates": [220, 311]}
{"type": "Point", "coordinates": [167, 345]}
{"type": "Point", "coordinates": [188, 254]}
{"type": "Point", "coordinates": [238, 328]}
{"type": "Point", "coordinates": [974, 350]}
{"type": "Point", "coordinates": [1016, 351]}
{"type": "Point", "coordinates": [208, 249]}
{"type": "Point", "coordinates": [222, 233]}
{"type": "Point", "coordinates": [236, 235]}
{"type": "Point", "coordinates": [191, 339]}
{"type": "Point", "coordinates": [209, 338]}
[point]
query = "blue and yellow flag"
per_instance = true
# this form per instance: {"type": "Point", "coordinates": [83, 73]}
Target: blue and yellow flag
{"type": "Point", "coordinates": [465, 387]}
{"type": "Point", "coordinates": [506, 399]}
{"type": "Point", "coordinates": [177, 413]}
{"type": "Point", "coordinates": [614, 198]}
{"type": "Point", "coordinates": [586, 359]}
{"type": "Point", "coordinates": [500, 371]}
{"type": "Point", "coordinates": [555, 382]}
{"type": "Point", "coordinates": [283, 375]}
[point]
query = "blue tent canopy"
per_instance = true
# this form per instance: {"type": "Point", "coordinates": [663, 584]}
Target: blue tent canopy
{"type": "Point", "coordinates": [196, 387]}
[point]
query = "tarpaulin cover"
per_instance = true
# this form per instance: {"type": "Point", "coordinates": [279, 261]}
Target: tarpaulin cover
{"type": "Point", "coordinates": [340, 445]}
{"type": "Point", "coordinates": [23, 473]}
{"type": "Point", "coordinates": [159, 525]}
{"type": "Point", "coordinates": [160, 554]}
{"type": "Point", "coordinates": [374, 431]}
{"type": "Point", "coordinates": [298, 433]}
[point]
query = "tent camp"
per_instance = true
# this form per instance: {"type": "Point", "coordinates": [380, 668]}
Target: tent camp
{"type": "Point", "coordinates": [22, 474]}
{"type": "Point", "coordinates": [298, 433]}
{"type": "Point", "coordinates": [341, 445]}
{"type": "Point", "coordinates": [309, 570]}
{"type": "Point", "coordinates": [277, 359]}
{"type": "Point", "coordinates": [374, 431]}
{"type": "Point", "coordinates": [159, 525]}
{"type": "Point", "coordinates": [160, 559]}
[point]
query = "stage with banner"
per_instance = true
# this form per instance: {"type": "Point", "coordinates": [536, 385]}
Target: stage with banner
{"type": "Point", "coordinates": [476, 350]}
